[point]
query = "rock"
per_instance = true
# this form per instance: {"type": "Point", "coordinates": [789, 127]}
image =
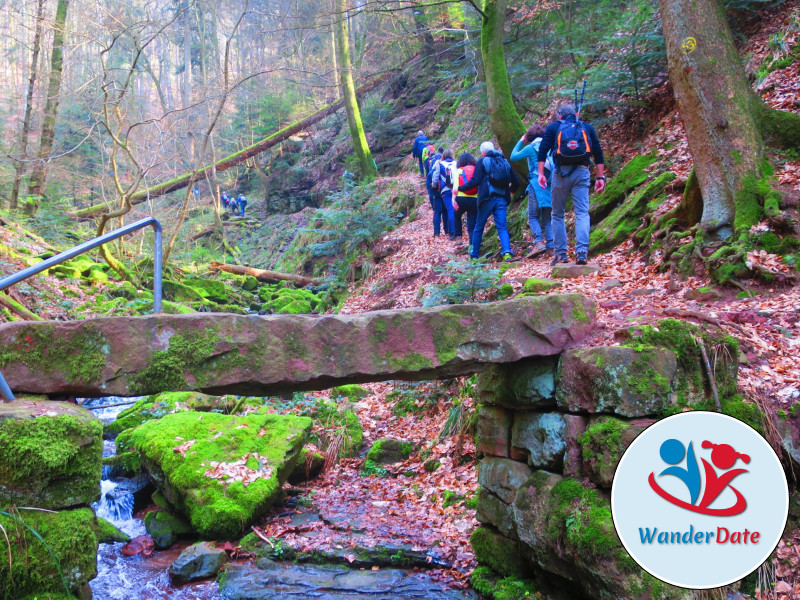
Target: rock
{"type": "Point", "coordinates": [569, 271]}
{"type": "Point", "coordinates": [503, 477]}
{"type": "Point", "coordinates": [630, 382]}
{"type": "Point", "coordinates": [568, 531]}
{"type": "Point", "coordinates": [349, 391]}
{"type": "Point", "coordinates": [165, 528]}
{"type": "Point", "coordinates": [50, 454]}
{"type": "Point", "coordinates": [253, 355]}
{"type": "Point", "coordinates": [141, 544]}
{"type": "Point", "coordinates": [542, 435]}
{"type": "Point", "coordinates": [788, 427]}
{"type": "Point", "coordinates": [491, 510]}
{"type": "Point", "coordinates": [200, 561]}
{"type": "Point", "coordinates": [643, 292]}
{"type": "Point", "coordinates": [534, 284]}
{"type": "Point", "coordinates": [387, 451]}
{"type": "Point", "coordinates": [574, 428]}
{"type": "Point", "coordinates": [501, 553]}
{"type": "Point", "coordinates": [611, 284]}
{"type": "Point", "coordinates": [493, 431]}
{"type": "Point", "coordinates": [604, 443]}
{"type": "Point", "coordinates": [526, 384]}
{"type": "Point", "coordinates": [703, 294]}
{"type": "Point", "coordinates": [222, 472]}
{"type": "Point", "coordinates": [289, 582]}
{"type": "Point", "coordinates": [108, 533]}
{"type": "Point", "coordinates": [612, 304]}
{"type": "Point", "coordinates": [158, 405]}
{"type": "Point", "coordinates": [308, 466]}
{"type": "Point", "coordinates": [71, 537]}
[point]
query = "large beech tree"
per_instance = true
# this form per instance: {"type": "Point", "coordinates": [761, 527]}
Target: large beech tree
{"type": "Point", "coordinates": [726, 122]}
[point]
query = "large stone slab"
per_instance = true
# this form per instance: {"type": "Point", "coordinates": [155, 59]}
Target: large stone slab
{"type": "Point", "coordinates": [50, 455]}
{"type": "Point", "coordinates": [631, 382]}
{"type": "Point", "coordinates": [542, 436]}
{"type": "Point", "coordinates": [261, 355]}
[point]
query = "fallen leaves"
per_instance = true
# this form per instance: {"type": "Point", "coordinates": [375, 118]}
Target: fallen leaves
{"type": "Point", "coordinates": [228, 472]}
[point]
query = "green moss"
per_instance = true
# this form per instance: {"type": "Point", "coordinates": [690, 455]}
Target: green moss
{"type": "Point", "coordinates": [349, 391]}
{"type": "Point", "coordinates": [431, 465]}
{"type": "Point", "coordinates": [498, 552]}
{"type": "Point", "coordinates": [371, 468]}
{"type": "Point", "coordinates": [108, 533]}
{"type": "Point", "coordinates": [505, 291]}
{"type": "Point", "coordinates": [582, 518]}
{"type": "Point", "coordinates": [70, 536]}
{"type": "Point", "coordinates": [533, 284]}
{"type": "Point", "coordinates": [450, 498]}
{"type": "Point", "coordinates": [149, 408]}
{"type": "Point", "coordinates": [409, 361]}
{"type": "Point", "coordinates": [387, 450]}
{"type": "Point", "coordinates": [628, 178]}
{"type": "Point", "coordinates": [644, 379]}
{"type": "Point", "coordinates": [603, 439]}
{"type": "Point", "coordinates": [50, 462]}
{"type": "Point", "coordinates": [446, 337]}
{"type": "Point", "coordinates": [217, 507]}
{"type": "Point", "coordinates": [486, 583]}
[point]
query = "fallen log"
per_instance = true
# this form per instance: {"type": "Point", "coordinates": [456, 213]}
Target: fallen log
{"type": "Point", "coordinates": [18, 308]}
{"type": "Point", "coordinates": [264, 275]}
{"type": "Point", "coordinates": [203, 233]}
{"type": "Point", "coordinates": [234, 159]}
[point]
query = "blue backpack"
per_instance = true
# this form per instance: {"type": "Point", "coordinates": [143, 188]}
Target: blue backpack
{"type": "Point", "coordinates": [498, 171]}
{"type": "Point", "coordinates": [572, 145]}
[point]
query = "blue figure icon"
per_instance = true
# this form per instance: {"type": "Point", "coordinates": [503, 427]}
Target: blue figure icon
{"type": "Point", "coordinates": [672, 452]}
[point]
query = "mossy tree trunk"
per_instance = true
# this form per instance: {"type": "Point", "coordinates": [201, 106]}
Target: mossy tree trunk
{"type": "Point", "coordinates": [503, 117]}
{"type": "Point", "coordinates": [39, 174]}
{"type": "Point", "coordinates": [723, 118]}
{"type": "Point", "coordinates": [360, 145]}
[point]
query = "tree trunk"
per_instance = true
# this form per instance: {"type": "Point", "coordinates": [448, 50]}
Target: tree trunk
{"type": "Point", "coordinates": [237, 158]}
{"type": "Point", "coordinates": [19, 166]}
{"type": "Point", "coordinates": [39, 174]}
{"type": "Point", "coordinates": [503, 117]}
{"type": "Point", "coordinates": [720, 113]}
{"type": "Point", "coordinates": [368, 168]}
{"type": "Point", "coordinates": [423, 32]}
{"type": "Point", "coordinates": [263, 275]}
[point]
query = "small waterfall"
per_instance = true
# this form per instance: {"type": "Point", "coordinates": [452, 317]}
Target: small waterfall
{"type": "Point", "coordinates": [117, 508]}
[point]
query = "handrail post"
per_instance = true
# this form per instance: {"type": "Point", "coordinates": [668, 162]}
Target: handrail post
{"type": "Point", "coordinates": [5, 391]}
{"type": "Point", "coordinates": [158, 259]}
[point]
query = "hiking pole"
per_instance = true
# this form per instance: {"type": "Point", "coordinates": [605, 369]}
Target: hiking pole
{"type": "Point", "coordinates": [583, 92]}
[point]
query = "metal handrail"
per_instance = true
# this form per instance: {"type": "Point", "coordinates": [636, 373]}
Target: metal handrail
{"type": "Point", "coordinates": [7, 282]}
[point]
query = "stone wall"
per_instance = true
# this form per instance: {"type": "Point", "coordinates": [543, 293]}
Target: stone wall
{"type": "Point", "coordinates": [551, 432]}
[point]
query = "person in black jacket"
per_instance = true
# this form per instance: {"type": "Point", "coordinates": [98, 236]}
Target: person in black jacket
{"type": "Point", "coordinates": [490, 202]}
{"type": "Point", "coordinates": [571, 178]}
{"type": "Point", "coordinates": [416, 151]}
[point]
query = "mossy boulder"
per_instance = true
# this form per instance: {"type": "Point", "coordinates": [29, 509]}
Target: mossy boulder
{"type": "Point", "coordinates": [108, 533]}
{"type": "Point", "coordinates": [493, 587]}
{"type": "Point", "coordinates": [536, 285]}
{"type": "Point", "coordinates": [181, 293]}
{"type": "Point", "coordinates": [223, 472]}
{"type": "Point", "coordinates": [603, 444]}
{"type": "Point", "coordinates": [349, 391]}
{"type": "Point", "coordinates": [250, 284]}
{"type": "Point", "coordinates": [50, 455]}
{"type": "Point", "coordinates": [309, 466]}
{"type": "Point", "coordinates": [387, 451]}
{"type": "Point", "coordinates": [165, 528]}
{"type": "Point", "coordinates": [630, 382]}
{"type": "Point", "coordinates": [211, 289]}
{"type": "Point", "coordinates": [504, 555]}
{"type": "Point", "coordinates": [159, 405]}
{"type": "Point", "coordinates": [627, 217]}
{"type": "Point", "coordinates": [541, 437]}
{"type": "Point", "coordinates": [631, 176]}
{"type": "Point", "coordinates": [286, 300]}
{"type": "Point", "coordinates": [71, 537]}
{"type": "Point", "coordinates": [530, 383]}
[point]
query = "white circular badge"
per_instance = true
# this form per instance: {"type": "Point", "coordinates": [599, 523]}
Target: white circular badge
{"type": "Point", "coordinates": [699, 500]}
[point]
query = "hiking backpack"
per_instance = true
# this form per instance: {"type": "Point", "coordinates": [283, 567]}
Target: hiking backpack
{"type": "Point", "coordinates": [572, 145]}
{"type": "Point", "coordinates": [445, 174]}
{"type": "Point", "coordinates": [426, 152]}
{"type": "Point", "coordinates": [498, 170]}
{"type": "Point", "coordinates": [430, 161]}
{"type": "Point", "coordinates": [464, 175]}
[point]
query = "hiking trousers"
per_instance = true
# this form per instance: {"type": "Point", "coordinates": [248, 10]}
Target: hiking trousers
{"type": "Point", "coordinates": [576, 185]}
{"type": "Point", "coordinates": [440, 219]}
{"type": "Point", "coordinates": [469, 205]}
{"type": "Point", "coordinates": [497, 207]}
{"type": "Point", "coordinates": [447, 201]}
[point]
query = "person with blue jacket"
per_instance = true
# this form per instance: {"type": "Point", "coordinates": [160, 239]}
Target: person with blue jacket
{"type": "Point", "coordinates": [442, 179]}
{"type": "Point", "coordinates": [490, 203]}
{"type": "Point", "coordinates": [539, 201]}
{"type": "Point", "coordinates": [416, 151]}
{"type": "Point", "coordinates": [241, 201]}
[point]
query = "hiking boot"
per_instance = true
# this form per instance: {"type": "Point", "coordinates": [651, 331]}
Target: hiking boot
{"type": "Point", "coordinates": [537, 249]}
{"type": "Point", "coordinates": [581, 258]}
{"type": "Point", "coordinates": [508, 257]}
{"type": "Point", "coordinates": [558, 258]}
{"type": "Point", "coordinates": [454, 237]}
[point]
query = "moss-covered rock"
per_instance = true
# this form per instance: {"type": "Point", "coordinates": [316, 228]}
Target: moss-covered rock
{"type": "Point", "coordinates": [159, 405]}
{"type": "Point", "coordinates": [631, 176]}
{"type": "Point", "coordinates": [624, 220]}
{"type": "Point", "coordinates": [108, 533]}
{"type": "Point", "coordinates": [541, 437]}
{"type": "Point", "coordinates": [165, 528]}
{"type": "Point", "coordinates": [349, 391]}
{"type": "Point", "coordinates": [70, 545]}
{"type": "Point", "coordinates": [502, 554]}
{"type": "Point", "coordinates": [210, 289]}
{"type": "Point", "coordinates": [530, 383]}
{"type": "Point", "coordinates": [533, 284]}
{"type": "Point", "coordinates": [631, 382]}
{"type": "Point", "coordinates": [604, 443]}
{"type": "Point", "coordinates": [489, 585]}
{"type": "Point", "coordinates": [221, 471]}
{"type": "Point", "coordinates": [309, 466]}
{"type": "Point", "coordinates": [387, 451]}
{"type": "Point", "coordinates": [50, 455]}
{"type": "Point", "coordinates": [250, 284]}
{"type": "Point", "coordinates": [493, 431]}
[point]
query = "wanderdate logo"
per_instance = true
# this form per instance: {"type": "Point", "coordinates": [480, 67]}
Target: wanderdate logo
{"type": "Point", "coordinates": [699, 500]}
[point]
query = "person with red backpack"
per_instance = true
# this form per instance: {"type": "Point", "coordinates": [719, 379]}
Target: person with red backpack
{"type": "Point", "coordinates": [573, 143]}
{"type": "Point", "coordinates": [464, 202]}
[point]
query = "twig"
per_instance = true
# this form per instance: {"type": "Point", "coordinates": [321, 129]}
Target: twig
{"type": "Point", "coordinates": [709, 372]}
{"type": "Point", "coordinates": [262, 537]}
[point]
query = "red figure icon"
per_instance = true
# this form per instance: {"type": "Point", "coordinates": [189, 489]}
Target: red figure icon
{"type": "Point", "coordinates": [724, 457]}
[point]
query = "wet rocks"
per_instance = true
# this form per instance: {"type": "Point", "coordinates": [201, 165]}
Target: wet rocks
{"type": "Point", "coordinates": [200, 561]}
{"type": "Point", "coordinates": [165, 528]}
{"type": "Point", "coordinates": [387, 451]}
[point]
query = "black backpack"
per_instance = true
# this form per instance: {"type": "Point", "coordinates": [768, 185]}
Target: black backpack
{"type": "Point", "coordinates": [572, 144]}
{"type": "Point", "coordinates": [498, 171]}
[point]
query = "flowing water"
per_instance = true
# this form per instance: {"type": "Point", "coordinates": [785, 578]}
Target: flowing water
{"type": "Point", "coordinates": [133, 577]}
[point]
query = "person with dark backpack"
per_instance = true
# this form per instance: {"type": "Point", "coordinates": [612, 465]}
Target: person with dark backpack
{"type": "Point", "coordinates": [225, 200]}
{"type": "Point", "coordinates": [241, 202]}
{"type": "Point", "coordinates": [441, 179]}
{"type": "Point", "coordinates": [416, 150]}
{"type": "Point", "coordinates": [494, 180]}
{"type": "Point", "coordinates": [573, 143]}
{"type": "Point", "coordinates": [439, 220]}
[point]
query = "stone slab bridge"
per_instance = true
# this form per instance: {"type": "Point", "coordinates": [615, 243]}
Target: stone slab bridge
{"type": "Point", "coordinates": [265, 355]}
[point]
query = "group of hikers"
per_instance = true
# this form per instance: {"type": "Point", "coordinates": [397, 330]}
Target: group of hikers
{"type": "Point", "coordinates": [558, 161]}
{"type": "Point", "coordinates": [236, 206]}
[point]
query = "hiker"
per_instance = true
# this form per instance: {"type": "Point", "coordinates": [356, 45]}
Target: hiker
{"type": "Point", "coordinates": [416, 151]}
{"type": "Point", "coordinates": [441, 179]}
{"type": "Point", "coordinates": [196, 192]}
{"type": "Point", "coordinates": [431, 155]}
{"type": "Point", "coordinates": [573, 143]}
{"type": "Point", "coordinates": [225, 200]}
{"type": "Point", "coordinates": [539, 201]}
{"type": "Point", "coordinates": [495, 179]}
{"type": "Point", "coordinates": [241, 202]}
{"type": "Point", "coordinates": [464, 202]}
{"type": "Point", "coordinates": [435, 197]}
